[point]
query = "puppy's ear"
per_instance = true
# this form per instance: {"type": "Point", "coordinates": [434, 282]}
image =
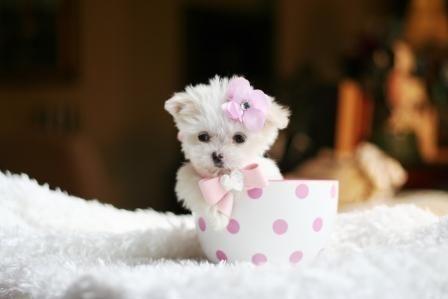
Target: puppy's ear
{"type": "Point", "coordinates": [277, 116]}
{"type": "Point", "coordinates": [179, 105]}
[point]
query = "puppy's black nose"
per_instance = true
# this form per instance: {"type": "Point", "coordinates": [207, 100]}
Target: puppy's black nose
{"type": "Point", "coordinates": [217, 159]}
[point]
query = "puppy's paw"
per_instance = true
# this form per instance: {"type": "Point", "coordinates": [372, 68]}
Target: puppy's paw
{"type": "Point", "coordinates": [216, 219]}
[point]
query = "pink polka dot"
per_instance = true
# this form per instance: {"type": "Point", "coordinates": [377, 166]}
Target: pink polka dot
{"type": "Point", "coordinates": [255, 193]}
{"type": "Point", "coordinates": [259, 259]}
{"type": "Point", "coordinates": [202, 225]}
{"type": "Point", "coordinates": [233, 226]}
{"type": "Point", "coordinates": [295, 257]}
{"type": "Point", "coordinates": [221, 256]}
{"type": "Point", "coordinates": [333, 191]}
{"type": "Point", "coordinates": [302, 191]}
{"type": "Point", "coordinates": [317, 224]}
{"type": "Point", "coordinates": [280, 226]}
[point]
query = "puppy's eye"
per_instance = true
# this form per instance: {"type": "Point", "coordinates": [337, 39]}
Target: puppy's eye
{"type": "Point", "coordinates": [204, 137]}
{"type": "Point", "coordinates": [239, 138]}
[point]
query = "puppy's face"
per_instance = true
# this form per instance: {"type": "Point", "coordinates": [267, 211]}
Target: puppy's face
{"type": "Point", "coordinates": [211, 141]}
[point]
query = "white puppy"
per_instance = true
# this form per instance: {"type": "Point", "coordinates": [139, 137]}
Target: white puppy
{"type": "Point", "coordinates": [223, 126]}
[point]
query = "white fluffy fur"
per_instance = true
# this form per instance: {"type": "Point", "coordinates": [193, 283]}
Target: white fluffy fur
{"type": "Point", "coordinates": [56, 246]}
{"type": "Point", "coordinates": [198, 109]}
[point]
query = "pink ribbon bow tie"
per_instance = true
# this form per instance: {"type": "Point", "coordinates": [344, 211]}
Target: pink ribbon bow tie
{"type": "Point", "coordinates": [218, 190]}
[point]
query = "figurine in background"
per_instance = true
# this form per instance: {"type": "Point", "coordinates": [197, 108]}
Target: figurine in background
{"type": "Point", "coordinates": [410, 109]}
{"type": "Point", "coordinates": [367, 174]}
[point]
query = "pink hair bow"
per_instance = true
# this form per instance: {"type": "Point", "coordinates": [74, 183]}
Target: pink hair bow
{"type": "Point", "coordinates": [245, 104]}
{"type": "Point", "coordinates": [217, 191]}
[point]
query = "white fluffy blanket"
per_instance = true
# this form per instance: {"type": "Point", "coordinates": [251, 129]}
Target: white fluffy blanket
{"type": "Point", "coordinates": [56, 246]}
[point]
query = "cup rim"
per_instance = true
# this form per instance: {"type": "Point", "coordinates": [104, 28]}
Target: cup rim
{"type": "Point", "coordinates": [304, 181]}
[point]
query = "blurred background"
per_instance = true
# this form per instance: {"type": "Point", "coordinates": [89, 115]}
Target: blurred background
{"type": "Point", "coordinates": [83, 83]}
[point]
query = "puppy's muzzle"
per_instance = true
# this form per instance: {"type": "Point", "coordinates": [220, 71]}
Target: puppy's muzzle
{"type": "Point", "coordinates": [217, 159]}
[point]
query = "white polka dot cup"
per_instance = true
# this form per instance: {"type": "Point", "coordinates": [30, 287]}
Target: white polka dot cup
{"type": "Point", "coordinates": [285, 222]}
